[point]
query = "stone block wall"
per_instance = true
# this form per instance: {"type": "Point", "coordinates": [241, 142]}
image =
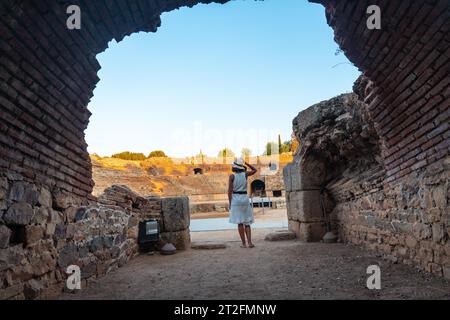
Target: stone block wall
{"type": "Point", "coordinates": [305, 215]}
{"type": "Point", "coordinates": [407, 222]}
{"type": "Point", "coordinates": [42, 233]}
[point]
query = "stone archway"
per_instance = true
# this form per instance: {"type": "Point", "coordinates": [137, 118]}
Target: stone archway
{"type": "Point", "coordinates": [258, 187]}
{"type": "Point", "coordinates": [337, 137]}
{"type": "Point", "coordinates": [48, 74]}
{"type": "Point", "coordinates": [52, 71]}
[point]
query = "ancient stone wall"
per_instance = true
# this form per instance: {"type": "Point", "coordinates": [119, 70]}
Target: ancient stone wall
{"type": "Point", "coordinates": [48, 74]}
{"type": "Point", "coordinates": [384, 164]}
{"type": "Point", "coordinates": [42, 234]}
{"type": "Point", "coordinates": [406, 221]}
{"type": "Point", "coordinates": [337, 137]}
{"type": "Point", "coordinates": [47, 77]}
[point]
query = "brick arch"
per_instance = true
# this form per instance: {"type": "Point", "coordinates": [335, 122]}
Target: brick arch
{"type": "Point", "coordinates": [48, 75]}
{"type": "Point", "coordinates": [47, 78]}
{"type": "Point", "coordinates": [408, 64]}
{"type": "Point", "coordinates": [49, 72]}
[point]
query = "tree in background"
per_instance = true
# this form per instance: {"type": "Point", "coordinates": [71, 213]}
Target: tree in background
{"type": "Point", "coordinates": [127, 155]}
{"type": "Point", "coordinates": [157, 154]}
{"type": "Point", "coordinates": [271, 148]}
{"type": "Point", "coordinates": [226, 153]}
{"type": "Point", "coordinates": [280, 145]}
{"type": "Point", "coordinates": [246, 153]}
{"type": "Point", "coordinates": [201, 157]}
{"type": "Point", "coordinates": [286, 147]}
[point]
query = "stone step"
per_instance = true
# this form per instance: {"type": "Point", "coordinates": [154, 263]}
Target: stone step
{"type": "Point", "coordinates": [280, 236]}
{"type": "Point", "coordinates": [208, 245]}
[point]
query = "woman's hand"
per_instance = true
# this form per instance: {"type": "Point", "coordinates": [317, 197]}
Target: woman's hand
{"type": "Point", "coordinates": [253, 169]}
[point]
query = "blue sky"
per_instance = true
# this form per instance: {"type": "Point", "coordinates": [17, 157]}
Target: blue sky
{"type": "Point", "coordinates": [216, 76]}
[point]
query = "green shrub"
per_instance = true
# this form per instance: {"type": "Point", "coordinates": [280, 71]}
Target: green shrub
{"type": "Point", "coordinates": [157, 154]}
{"type": "Point", "coordinates": [127, 155]}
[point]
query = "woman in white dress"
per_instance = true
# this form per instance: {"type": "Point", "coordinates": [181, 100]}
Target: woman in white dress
{"type": "Point", "coordinates": [241, 212]}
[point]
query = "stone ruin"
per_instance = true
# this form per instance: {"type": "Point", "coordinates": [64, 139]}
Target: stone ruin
{"type": "Point", "coordinates": [381, 161]}
{"type": "Point", "coordinates": [374, 165]}
{"type": "Point", "coordinates": [340, 165]}
{"type": "Point", "coordinates": [41, 235]}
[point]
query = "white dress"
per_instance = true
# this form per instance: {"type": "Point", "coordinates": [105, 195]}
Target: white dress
{"type": "Point", "coordinates": [241, 212]}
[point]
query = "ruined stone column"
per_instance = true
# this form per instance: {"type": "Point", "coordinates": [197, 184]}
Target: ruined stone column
{"type": "Point", "coordinates": [303, 180]}
{"type": "Point", "coordinates": [176, 220]}
{"type": "Point", "coordinates": [335, 136]}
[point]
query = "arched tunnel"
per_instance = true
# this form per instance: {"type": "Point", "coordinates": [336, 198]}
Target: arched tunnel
{"type": "Point", "coordinates": [381, 153]}
{"type": "Point", "coordinates": [258, 187]}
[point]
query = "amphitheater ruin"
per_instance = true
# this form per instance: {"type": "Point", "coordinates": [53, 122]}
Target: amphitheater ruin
{"type": "Point", "coordinates": [379, 157]}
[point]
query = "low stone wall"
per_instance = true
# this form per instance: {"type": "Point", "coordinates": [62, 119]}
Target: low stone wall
{"type": "Point", "coordinates": [408, 222]}
{"type": "Point", "coordinates": [207, 207]}
{"type": "Point", "coordinates": [43, 231]}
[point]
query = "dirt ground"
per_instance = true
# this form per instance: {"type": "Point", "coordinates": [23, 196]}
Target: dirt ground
{"type": "Point", "coordinates": [272, 270]}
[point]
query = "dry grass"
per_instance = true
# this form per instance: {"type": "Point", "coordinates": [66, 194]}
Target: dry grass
{"type": "Point", "coordinates": [178, 167]}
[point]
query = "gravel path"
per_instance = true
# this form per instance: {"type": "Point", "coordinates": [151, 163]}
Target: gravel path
{"type": "Point", "coordinates": [272, 270]}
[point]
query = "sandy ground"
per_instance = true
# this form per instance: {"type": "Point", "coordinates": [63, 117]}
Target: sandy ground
{"type": "Point", "coordinates": [272, 270]}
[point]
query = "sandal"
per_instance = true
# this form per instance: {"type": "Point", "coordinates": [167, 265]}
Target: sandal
{"type": "Point", "coordinates": [251, 245]}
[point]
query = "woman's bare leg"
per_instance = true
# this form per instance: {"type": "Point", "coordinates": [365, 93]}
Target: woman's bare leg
{"type": "Point", "coordinates": [248, 232]}
{"type": "Point", "coordinates": [242, 234]}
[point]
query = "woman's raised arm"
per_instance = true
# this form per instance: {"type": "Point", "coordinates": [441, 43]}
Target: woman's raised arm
{"type": "Point", "coordinates": [252, 168]}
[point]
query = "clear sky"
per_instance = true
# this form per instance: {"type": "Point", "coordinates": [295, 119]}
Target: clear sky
{"type": "Point", "coordinates": [216, 76]}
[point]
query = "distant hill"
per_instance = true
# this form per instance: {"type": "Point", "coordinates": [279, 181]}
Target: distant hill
{"type": "Point", "coordinates": [169, 176]}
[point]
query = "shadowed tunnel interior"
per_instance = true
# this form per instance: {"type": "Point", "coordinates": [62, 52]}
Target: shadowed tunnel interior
{"type": "Point", "coordinates": [395, 203]}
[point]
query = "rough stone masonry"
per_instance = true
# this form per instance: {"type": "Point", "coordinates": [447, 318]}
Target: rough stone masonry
{"type": "Point", "coordinates": [379, 158]}
{"type": "Point", "coordinates": [47, 77]}
{"type": "Point", "coordinates": [340, 161]}
{"type": "Point", "coordinates": [41, 234]}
